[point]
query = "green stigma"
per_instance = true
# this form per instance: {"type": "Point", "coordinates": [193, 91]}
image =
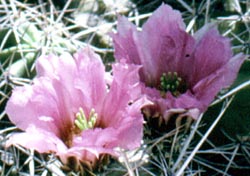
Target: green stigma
{"type": "Point", "coordinates": [170, 82]}
{"type": "Point", "coordinates": [82, 122]}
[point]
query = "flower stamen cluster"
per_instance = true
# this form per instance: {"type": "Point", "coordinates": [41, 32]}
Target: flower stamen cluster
{"type": "Point", "coordinates": [170, 82]}
{"type": "Point", "coordinates": [84, 123]}
{"type": "Point", "coordinates": [173, 83]}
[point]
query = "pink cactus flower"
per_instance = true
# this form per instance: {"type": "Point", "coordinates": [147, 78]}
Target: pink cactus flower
{"type": "Point", "coordinates": [180, 73]}
{"type": "Point", "coordinates": [69, 111]}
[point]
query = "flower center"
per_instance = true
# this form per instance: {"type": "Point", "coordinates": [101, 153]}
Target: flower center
{"type": "Point", "coordinates": [84, 123]}
{"type": "Point", "coordinates": [81, 123]}
{"type": "Point", "coordinates": [172, 82]}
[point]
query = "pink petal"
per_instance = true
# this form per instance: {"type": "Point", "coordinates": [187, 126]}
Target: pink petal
{"type": "Point", "coordinates": [162, 42]}
{"type": "Point", "coordinates": [130, 130]}
{"type": "Point", "coordinates": [125, 41]}
{"type": "Point", "coordinates": [202, 31]}
{"type": "Point", "coordinates": [51, 66]}
{"type": "Point", "coordinates": [212, 52]}
{"type": "Point", "coordinates": [206, 89]}
{"type": "Point", "coordinates": [37, 139]}
{"type": "Point", "coordinates": [90, 80]}
{"type": "Point", "coordinates": [62, 80]}
{"type": "Point", "coordinates": [34, 104]}
{"type": "Point", "coordinates": [163, 17]}
{"type": "Point", "coordinates": [124, 88]}
{"type": "Point", "coordinates": [185, 105]}
{"type": "Point", "coordinates": [92, 137]}
{"type": "Point", "coordinates": [94, 143]}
